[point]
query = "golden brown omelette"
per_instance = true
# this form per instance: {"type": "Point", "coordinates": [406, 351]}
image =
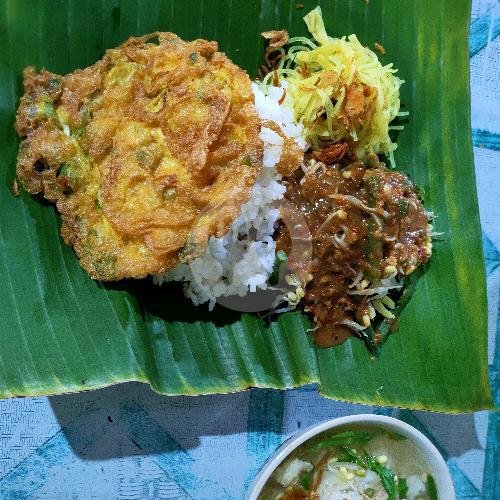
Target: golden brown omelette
{"type": "Point", "coordinates": [146, 153]}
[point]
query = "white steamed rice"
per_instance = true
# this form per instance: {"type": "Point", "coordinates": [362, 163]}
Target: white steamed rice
{"type": "Point", "coordinates": [237, 264]}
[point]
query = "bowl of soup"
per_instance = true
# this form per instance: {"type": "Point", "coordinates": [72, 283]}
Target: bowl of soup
{"type": "Point", "coordinates": [359, 457]}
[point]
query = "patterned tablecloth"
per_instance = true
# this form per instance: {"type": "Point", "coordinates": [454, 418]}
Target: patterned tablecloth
{"type": "Point", "coordinates": [128, 442]}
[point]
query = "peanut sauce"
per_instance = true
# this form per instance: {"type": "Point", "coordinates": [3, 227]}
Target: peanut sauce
{"type": "Point", "coordinates": [367, 223]}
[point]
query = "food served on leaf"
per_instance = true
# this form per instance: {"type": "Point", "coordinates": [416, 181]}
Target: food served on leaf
{"type": "Point", "coordinates": [146, 154]}
{"type": "Point", "coordinates": [368, 228]}
{"type": "Point", "coordinates": [164, 159]}
{"type": "Point", "coordinates": [350, 464]}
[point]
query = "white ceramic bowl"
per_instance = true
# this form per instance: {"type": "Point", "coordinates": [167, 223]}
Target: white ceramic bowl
{"type": "Point", "coordinates": [435, 463]}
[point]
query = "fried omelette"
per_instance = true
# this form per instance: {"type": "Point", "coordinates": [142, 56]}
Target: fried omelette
{"type": "Point", "coordinates": [146, 154]}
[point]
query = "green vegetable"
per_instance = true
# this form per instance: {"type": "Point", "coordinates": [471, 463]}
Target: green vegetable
{"type": "Point", "coordinates": [431, 488]}
{"type": "Point", "coordinates": [67, 170]}
{"type": "Point", "coordinates": [369, 492]}
{"type": "Point", "coordinates": [420, 192]}
{"type": "Point", "coordinates": [280, 260]}
{"type": "Point", "coordinates": [75, 169]}
{"type": "Point", "coordinates": [373, 246]}
{"type": "Point", "coordinates": [403, 206]}
{"type": "Point", "coordinates": [347, 438]}
{"type": "Point", "coordinates": [305, 480]}
{"type": "Point", "coordinates": [48, 109]}
{"type": "Point", "coordinates": [194, 57]}
{"type": "Point", "coordinates": [402, 487]}
{"type": "Point", "coordinates": [105, 266]}
{"type": "Point", "coordinates": [380, 329]}
{"type": "Point", "coordinates": [372, 187]}
{"type": "Point", "coordinates": [366, 461]}
{"type": "Point", "coordinates": [78, 132]}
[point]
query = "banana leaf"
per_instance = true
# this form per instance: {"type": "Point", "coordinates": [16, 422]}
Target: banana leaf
{"type": "Point", "coordinates": [61, 332]}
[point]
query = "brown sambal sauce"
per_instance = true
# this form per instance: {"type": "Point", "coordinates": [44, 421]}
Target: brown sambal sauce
{"type": "Point", "coordinates": [367, 223]}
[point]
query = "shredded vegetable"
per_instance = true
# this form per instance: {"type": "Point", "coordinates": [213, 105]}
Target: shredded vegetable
{"type": "Point", "coordinates": [339, 90]}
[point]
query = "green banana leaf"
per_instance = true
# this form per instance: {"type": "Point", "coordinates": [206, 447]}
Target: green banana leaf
{"type": "Point", "coordinates": [60, 331]}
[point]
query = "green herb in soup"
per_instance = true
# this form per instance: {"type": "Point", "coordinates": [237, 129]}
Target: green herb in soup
{"type": "Point", "coordinates": [355, 463]}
